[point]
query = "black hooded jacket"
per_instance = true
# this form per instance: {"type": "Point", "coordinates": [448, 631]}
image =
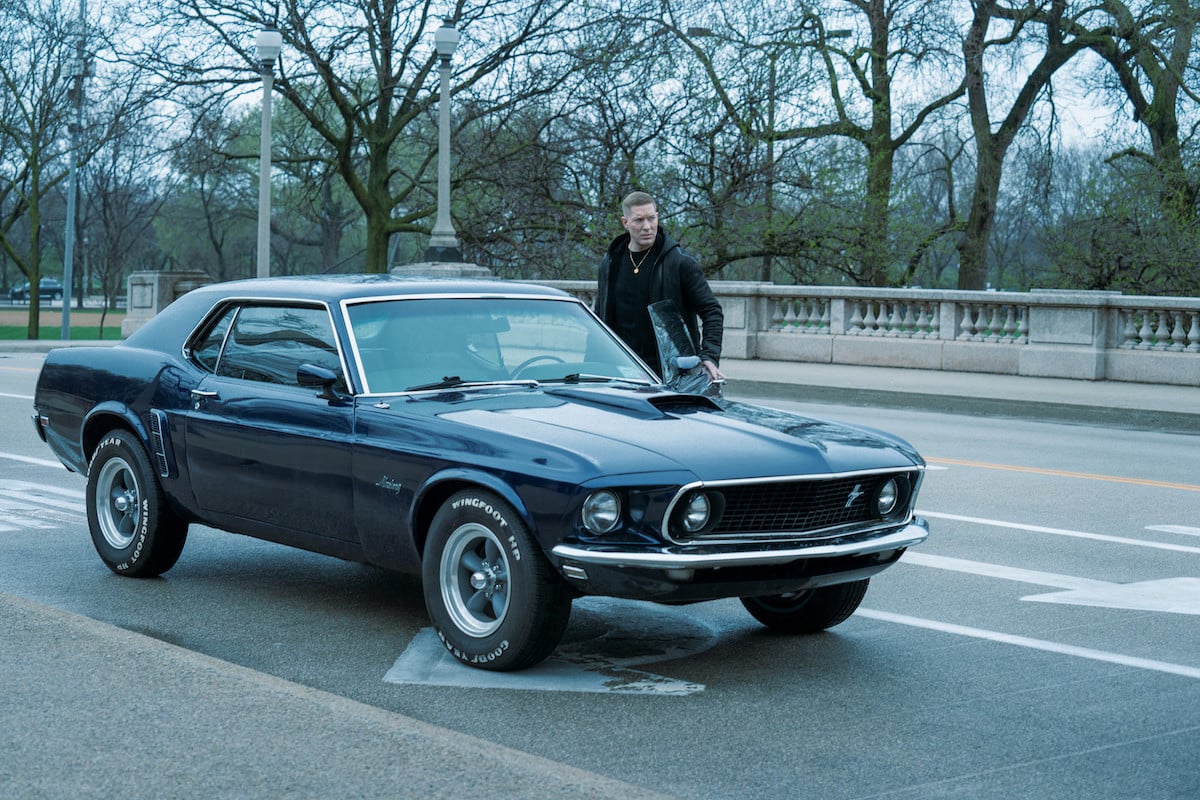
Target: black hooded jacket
{"type": "Point", "coordinates": [675, 276]}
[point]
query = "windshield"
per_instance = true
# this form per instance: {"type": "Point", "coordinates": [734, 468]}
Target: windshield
{"type": "Point", "coordinates": [425, 343]}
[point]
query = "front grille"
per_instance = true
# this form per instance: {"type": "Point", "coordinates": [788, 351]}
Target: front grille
{"type": "Point", "coordinates": [798, 509]}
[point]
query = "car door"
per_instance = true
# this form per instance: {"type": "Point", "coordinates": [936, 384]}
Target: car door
{"type": "Point", "coordinates": [259, 447]}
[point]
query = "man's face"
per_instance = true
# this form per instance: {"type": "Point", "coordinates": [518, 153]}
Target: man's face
{"type": "Point", "coordinates": [642, 224]}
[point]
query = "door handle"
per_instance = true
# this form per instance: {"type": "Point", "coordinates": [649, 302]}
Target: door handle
{"type": "Point", "coordinates": [200, 395]}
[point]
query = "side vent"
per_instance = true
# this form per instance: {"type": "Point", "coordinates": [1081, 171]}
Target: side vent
{"type": "Point", "coordinates": [164, 459]}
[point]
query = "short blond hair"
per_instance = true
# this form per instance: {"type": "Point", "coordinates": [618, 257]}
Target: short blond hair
{"type": "Point", "coordinates": [636, 199]}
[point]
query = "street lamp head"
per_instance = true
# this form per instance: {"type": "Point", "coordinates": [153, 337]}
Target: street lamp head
{"type": "Point", "coordinates": [445, 39]}
{"type": "Point", "coordinates": [269, 42]}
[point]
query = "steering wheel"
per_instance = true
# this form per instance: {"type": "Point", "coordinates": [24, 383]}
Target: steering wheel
{"type": "Point", "coordinates": [529, 362]}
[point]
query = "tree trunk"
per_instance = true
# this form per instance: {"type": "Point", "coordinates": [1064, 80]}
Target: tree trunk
{"type": "Point", "coordinates": [881, 155]}
{"type": "Point", "coordinates": [990, 146]}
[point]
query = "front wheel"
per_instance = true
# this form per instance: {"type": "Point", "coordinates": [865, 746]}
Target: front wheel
{"type": "Point", "coordinates": [495, 601]}
{"type": "Point", "coordinates": [133, 529]}
{"type": "Point", "coordinates": [807, 611]}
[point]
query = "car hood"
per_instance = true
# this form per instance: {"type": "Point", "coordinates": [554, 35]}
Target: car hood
{"type": "Point", "coordinates": [637, 430]}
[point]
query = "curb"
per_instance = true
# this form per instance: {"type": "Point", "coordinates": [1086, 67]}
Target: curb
{"type": "Point", "coordinates": [1033, 410]}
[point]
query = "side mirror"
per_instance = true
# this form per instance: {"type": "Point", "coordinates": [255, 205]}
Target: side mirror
{"type": "Point", "coordinates": [312, 376]}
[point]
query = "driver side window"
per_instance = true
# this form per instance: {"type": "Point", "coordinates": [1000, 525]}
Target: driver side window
{"type": "Point", "coordinates": [267, 343]}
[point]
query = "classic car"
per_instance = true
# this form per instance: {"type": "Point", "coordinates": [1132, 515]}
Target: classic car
{"type": "Point", "coordinates": [48, 289]}
{"type": "Point", "coordinates": [493, 438]}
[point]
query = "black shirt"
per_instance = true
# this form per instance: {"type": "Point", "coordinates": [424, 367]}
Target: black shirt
{"type": "Point", "coordinates": [632, 293]}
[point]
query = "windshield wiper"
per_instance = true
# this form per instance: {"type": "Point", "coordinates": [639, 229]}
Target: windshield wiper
{"type": "Point", "coordinates": [583, 377]}
{"type": "Point", "coordinates": [448, 382]}
{"type": "Point", "coordinates": [455, 382]}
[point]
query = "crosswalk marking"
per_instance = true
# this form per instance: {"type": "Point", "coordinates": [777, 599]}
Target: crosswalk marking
{"type": "Point", "coordinates": [25, 505]}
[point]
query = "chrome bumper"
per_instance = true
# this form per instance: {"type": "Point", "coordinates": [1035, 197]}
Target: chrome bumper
{"type": "Point", "coordinates": [914, 533]}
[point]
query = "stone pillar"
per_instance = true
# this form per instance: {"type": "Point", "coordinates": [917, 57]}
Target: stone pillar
{"type": "Point", "coordinates": [1067, 339]}
{"type": "Point", "coordinates": [442, 269]}
{"type": "Point", "coordinates": [151, 291]}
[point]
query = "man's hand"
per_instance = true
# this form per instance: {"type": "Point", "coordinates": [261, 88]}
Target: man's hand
{"type": "Point", "coordinates": [713, 373]}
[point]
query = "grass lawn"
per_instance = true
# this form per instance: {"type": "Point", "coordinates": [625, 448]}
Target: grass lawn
{"type": "Point", "coordinates": [85, 323]}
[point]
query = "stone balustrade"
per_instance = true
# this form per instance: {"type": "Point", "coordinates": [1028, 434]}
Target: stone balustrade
{"type": "Point", "coordinates": [1057, 334]}
{"type": "Point", "coordinates": [1060, 334]}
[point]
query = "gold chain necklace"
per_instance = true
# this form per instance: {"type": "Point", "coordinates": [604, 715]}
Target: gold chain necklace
{"type": "Point", "coordinates": [637, 265]}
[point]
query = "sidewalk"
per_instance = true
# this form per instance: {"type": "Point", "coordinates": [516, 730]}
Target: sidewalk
{"type": "Point", "coordinates": [1125, 405]}
{"type": "Point", "coordinates": [95, 711]}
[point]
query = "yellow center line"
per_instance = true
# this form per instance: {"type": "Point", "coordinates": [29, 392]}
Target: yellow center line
{"type": "Point", "coordinates": [1066, 474]}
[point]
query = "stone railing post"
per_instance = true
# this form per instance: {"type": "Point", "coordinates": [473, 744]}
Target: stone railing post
{"type": "Point", "coordinates": [151, 291]}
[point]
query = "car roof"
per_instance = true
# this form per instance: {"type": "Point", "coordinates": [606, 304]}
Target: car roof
{"type": "Point", "coordinates": [336, 288]}
{"type": "Point", "coordinates": [166, 331]}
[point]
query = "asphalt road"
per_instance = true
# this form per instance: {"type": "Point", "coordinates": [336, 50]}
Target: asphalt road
{"type": "Point", "coordinates": [1044, 643]}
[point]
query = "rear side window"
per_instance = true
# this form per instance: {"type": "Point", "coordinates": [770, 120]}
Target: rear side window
{"type": "Point", "coordinates": [207, 349]}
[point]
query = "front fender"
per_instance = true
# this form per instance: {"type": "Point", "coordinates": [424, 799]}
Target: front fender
{"type": "Point", "coordinates": [440, 485]}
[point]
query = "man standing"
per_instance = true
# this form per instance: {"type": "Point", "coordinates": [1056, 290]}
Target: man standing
{"type": "Point", "coordinates": [644, 265]}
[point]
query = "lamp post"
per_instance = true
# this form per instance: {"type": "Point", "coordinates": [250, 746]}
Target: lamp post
{"type": "Point", "coordinates": [443, 243]}
{"type": "Point", "coordinates": [79, 71]}
{"type": "Point", "coordinates": [268, 42]}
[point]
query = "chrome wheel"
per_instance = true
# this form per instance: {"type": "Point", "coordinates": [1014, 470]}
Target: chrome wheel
{"type": "Point", "coordinates": [118, 507]}
{"type": "Point", "coordinates": [474, 580]}
{"type": "Point", "coordinates": [494, 599]}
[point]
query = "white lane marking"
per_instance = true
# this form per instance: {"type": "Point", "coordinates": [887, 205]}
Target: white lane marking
{"type": "Point", "coordinates": [632, 634]}
{"type": "Point", "coordinates": [31, 497]}
{"type": "Point", "coordinates": [1000, 571]}
{"type": "Point", "coordinates": [1182, 530]}
{"type": "Point", "coordinates": [41, 491]}
{"type": "Point", "coordinates": [1034, 644]}
{"type": "Point", "coordinates": [1170, 595]}
{"type": "Point", "coordinates": [25, 505]}
{"type": "Point", "coordinates": [1097, 537]}
{"type": "Point", "coordinates": [28, 397]}
{"type": "Point", "coordinates": [41, 462]}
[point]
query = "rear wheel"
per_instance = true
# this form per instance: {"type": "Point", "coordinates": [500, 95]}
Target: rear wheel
{"type": "Point", "coordinates": [807, 611]}
{"type": "Point", "coordinates": [495, 601]}
{"type": "Point", "coordinates": [133, 529]}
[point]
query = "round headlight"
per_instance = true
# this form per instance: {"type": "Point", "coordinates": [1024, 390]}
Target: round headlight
{"type": "Point", "coordinates": [601, 511]}
{"type": "Point", "coordinates": [888, 497]}
{"type": "Point", "coordinates": [696, 512]}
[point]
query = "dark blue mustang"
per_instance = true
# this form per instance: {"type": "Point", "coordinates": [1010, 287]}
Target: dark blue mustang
{"type": "Point", "coordinates": [494, 437]}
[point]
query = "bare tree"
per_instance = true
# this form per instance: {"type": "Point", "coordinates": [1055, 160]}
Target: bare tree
{"type": "Point", "coordinates": [1059, 30]}
{"type": "Point", "coordinates": [206, 222]}
{"type": "Point", "coordinates": [43, 58]}
{"type": "Point", "coordinates": [854, 99]}
{"type": "Point", "coordinates": [123, 198]}
{"type": "Point", "coordinates": [35, 58]}
{"type": "Point", "coordinates": [1150, 55]}
{"type": "Point", "coordinates": [362, 74]}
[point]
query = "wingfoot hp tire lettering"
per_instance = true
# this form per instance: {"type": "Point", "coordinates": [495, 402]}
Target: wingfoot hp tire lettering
{"type": "Point", "coordinates": [133, 529]}
{"type": "Point", "coordinates": [493, 598]}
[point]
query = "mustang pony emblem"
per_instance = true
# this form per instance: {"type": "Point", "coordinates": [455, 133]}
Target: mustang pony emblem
{"type": "Point", "coordinates": [854, 495]}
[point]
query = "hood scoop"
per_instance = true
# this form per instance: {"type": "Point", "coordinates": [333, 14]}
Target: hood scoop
{"type": "Point", "coordinates": [645, 401]}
